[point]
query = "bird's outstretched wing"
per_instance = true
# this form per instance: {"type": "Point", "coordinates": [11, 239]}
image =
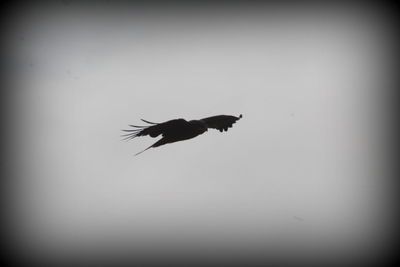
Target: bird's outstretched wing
{"type": "Point", "coordinates": [221, 122]}
{"type": "Point", "coordinates": [168, 128]}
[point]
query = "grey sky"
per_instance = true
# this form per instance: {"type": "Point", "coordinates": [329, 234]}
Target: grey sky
{"type": "Point", "coordinates": [306, 82]}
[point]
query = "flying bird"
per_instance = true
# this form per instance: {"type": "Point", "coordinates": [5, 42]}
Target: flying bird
{"type": "Point", "coordinates": [179, 129]}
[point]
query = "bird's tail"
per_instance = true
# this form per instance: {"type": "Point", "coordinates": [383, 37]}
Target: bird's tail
{"type": "Point", "coordinates": [160, 142]}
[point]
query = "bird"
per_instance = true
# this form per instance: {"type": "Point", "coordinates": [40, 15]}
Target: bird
{"type": "Point", "coordinates": [179, 129]}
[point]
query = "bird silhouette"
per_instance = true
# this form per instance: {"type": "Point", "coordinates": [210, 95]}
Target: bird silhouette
{"type": "Point", "coordinates": [179, 129]}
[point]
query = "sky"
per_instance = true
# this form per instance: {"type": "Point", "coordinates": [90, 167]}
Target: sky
{"type": "Point", "coordinates": [300, 173]}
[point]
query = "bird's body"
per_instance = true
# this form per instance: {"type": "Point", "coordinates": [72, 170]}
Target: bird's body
{"type": "Point", "coordinates": [180, 129]}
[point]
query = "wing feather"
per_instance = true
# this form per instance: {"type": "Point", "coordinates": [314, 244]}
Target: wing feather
{"type": "Point", "coordinates": [168, 128]}
{"type": "Point", "coordinates": [221, 122]}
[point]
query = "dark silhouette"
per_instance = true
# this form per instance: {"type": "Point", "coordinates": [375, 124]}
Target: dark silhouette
{"type": "Point", "coordinates": [180, 129]}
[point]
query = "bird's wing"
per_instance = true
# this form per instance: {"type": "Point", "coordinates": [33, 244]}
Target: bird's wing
{"type": "Point", "coordinates": [168, 128]}
{"type": "Point", "coordinates": [162, 141]}
{"type": "Point", "coordinates": [221, 122]}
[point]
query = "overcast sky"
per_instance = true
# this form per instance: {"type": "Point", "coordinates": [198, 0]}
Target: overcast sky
{"type": "Point", "coordinates": [297, 174]}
